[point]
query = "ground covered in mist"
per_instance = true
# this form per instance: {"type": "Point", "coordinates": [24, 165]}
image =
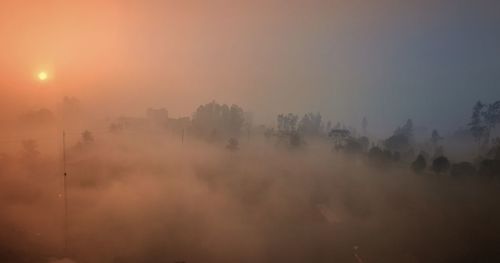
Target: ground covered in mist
{"type": "Point", "coordinates": [152, 199]}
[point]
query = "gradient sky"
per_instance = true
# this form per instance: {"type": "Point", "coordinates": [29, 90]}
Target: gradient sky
{"type": "Point", "coordinates": [388, 60]}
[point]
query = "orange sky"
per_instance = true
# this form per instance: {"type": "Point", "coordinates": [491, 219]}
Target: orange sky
{"type": "Point", "coordinates": [343, 58]}
{"type": "Point", "coordinates": [100, 50]}
{"type": "Point", "coordinates": [66, 40]}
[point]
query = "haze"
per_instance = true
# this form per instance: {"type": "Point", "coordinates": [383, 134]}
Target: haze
{"type": "Point", "coordinates": [343, 58]}
{"type": "Point", "coordinates": [249, 131]}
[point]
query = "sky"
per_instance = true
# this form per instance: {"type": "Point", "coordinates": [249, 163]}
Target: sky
{"type": "Point", "coordinates": [386, 60]}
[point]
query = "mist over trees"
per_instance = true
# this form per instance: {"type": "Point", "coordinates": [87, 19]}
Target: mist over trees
{"type": "Point", "coordinates": [311, 124]}
{"type": "Point", "coordinates": [402, 138]}
{"type": "Point", "coordinates": [216, 177]}
{"type": "Point", "coordinates": [419, 164]}
{"type": "Point", "coordinates": [215, 120]}
{"type": "Point", "coordinates": [249, 131]}
{"type": "Point", "coordinates": [484, 119]}
{"type": "Point", "coordinates": [287, 123]}
{"type": "Point", "coordinates": [221, 122]}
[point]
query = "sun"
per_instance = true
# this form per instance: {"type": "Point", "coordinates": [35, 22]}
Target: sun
{"type": "Point", "coordinates": [42, 75]}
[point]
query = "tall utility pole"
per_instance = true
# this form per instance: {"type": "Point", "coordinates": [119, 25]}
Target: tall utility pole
{"type": "Point", "coordinates": [65, 195]}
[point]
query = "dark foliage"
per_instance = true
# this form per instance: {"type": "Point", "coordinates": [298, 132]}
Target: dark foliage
{"type": "Point", "coordinates": [489, 168]}
{"type": "Point", "coordinates": [310, 124]}
{"type": "Point", "coordinates": [483, 120]}
{"type": "Point", "coordinates": [440, 165]}
{"type": "Point", "coordinates": [419, 164]}
{"type": "Point", "coordinates": [344, 141]}
{"type": "Point", "coordinates": [287, 123]}
{"type": "Point", "coordinates": [339, 136]}
{"type": "Point", "coordinates": [379, 156]}
{"type": "Point", "coordinates": [402, 138]}
{"type": "Point", "coordinates": [225, 120]}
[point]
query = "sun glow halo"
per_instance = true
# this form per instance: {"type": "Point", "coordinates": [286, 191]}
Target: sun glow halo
{"type": "Point", "coordinates": [42, 75]}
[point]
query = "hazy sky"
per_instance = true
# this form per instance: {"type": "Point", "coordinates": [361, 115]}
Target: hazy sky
{"type": "Point", "coordinates": [388, 60]}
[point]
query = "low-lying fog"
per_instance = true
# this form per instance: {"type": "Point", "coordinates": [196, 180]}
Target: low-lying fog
{"type": "Point", "coordinates": [365, 131]}
{"type": "Point", "coordinates": [149, 196]}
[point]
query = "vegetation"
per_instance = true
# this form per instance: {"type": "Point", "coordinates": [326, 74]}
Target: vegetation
{"type": "Point", "coordinates": [183, 183]}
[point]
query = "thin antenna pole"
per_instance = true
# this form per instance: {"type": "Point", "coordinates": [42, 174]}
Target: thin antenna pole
{"type": "Point", "coordinates": [65, 195]}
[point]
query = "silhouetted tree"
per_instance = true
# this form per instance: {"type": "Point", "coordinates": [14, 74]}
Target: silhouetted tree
{"type": "Point", "coordinates": [406, 129]}
{"type": "Point", "coordinates": [483, 121]}
{"type": "Point", "coordinates": [287, 123]}
{"type": "Point", "coordinates": [235, 120]}
{"type": "Point", "coordinates": [352, 145]}
{"type": "Point", "coordinates": [339, 137]}
{"type": "Point", "coordinates": [425, 155]}
{"type": "Point", "coordinates": [435, 138]}
{"type": "Point", "coordinates": [489, 168]}
{"type": "Point", "coordinates": [476, 124]}
{"type": "Point", "coordinates": [248, 124]}
{"type": "Point", "coordinates": [398, 142]}
{"type": "Point", "coordinates": [491, 116]}
{"type": "Point", "coordinates": [288, 131]}
{"type": "Point", "coordinates": [224, 119]}
{"type": "Point", "coordinates": [310, 124]}
{"type": "Point", "coordinates": [402, 138]}
{"type": "Point", "coordinates": [344, 140]}
{"type": "Point", "coordinates": [419, 164]}
{"type": "Point", "coordinates": [379, 156]}
{"type": "Point", "coordinates": [440, 165]}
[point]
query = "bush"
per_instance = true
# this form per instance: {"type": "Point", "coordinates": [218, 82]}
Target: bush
{"type": "Point", "coordinates": [419, 164]}
{"type": "Point", "coordinates": [440, 165]}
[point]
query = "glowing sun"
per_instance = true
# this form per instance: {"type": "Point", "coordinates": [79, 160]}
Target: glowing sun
{"type": "Point", "coordinates": [42, 75]}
